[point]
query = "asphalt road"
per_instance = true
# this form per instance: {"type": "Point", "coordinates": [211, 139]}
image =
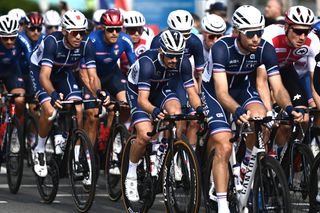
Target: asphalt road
{"type": "Point", "coordinates": [28, 200]}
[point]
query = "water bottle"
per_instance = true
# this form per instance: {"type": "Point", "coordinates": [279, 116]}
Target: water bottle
{"type": "Point", "coordinates": [63, 144]}
{"type": "Point", "coordinates": [160, 153]}
{"type": "Point", "coordinates": [237, 178]}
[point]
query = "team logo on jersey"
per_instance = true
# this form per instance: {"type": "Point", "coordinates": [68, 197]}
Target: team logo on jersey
{"type": "Point", "coordinates": [116, 52]}
{"type": "Point", "coordinates": [107, 60]}
{"type": "Point", "coordinates": [14, 52]}
{"type": "Point", "coordinates": [116, 46]}
{"type": "Point", "coordinates": [140, 49]}
{"type": "Point", "coordinates": [76, 50]}
{"type": "Point", "coordinates": [301, 51]}
{"type": "Point", "coordinates": [252, 56]}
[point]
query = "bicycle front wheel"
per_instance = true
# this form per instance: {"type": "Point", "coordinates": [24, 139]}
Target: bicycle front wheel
{"type": "Point", "coordinates": [315, 185]}
{"type": "Point", "coordinates": [270, 188]}
{"type": "Point", "coordinates": [81, 166]}
{"type": "Point", "coordinates": [113, 161]}
{"type": "Point", "coordinates": [14, 155]}
{"type": "Point", "coordinates": [181, 179]}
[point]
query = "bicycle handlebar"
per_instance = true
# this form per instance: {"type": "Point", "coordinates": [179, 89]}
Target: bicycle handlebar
{"type": "Point", "coordinates": [157, 127]}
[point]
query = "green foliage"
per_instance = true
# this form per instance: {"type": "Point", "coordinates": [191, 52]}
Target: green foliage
{"type": "Point", "coordinates": [6, 5]}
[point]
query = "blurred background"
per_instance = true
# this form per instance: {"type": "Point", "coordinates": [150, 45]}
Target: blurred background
{"type": "Point", "coordinates": [155, 11]}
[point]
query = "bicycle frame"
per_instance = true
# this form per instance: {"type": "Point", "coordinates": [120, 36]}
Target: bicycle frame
{"type": "Point", "coordinates": [243, 192]}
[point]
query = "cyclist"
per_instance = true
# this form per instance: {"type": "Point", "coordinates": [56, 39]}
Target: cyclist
{"type": "Point", "coordinates": [109, 44]}
{"type": "Point", "coordinates": [11, 49]}
{"type": "Point", "coordinates": [213, 27]}
{"type": "Point", "coordinates": [33, 36]}
{"type": "Point", "coordinates": [52, 66]}
{"type": "Point", "coordinates": [295, 44]}
{"type": "Point", "coordinates": [149, 94]}
{"type": "Point", "coordinates": [182, 21]}
{"type": "Point", "coordinates": [227, 85]}
{"type": "Point", "coordinates": [96, 19]}
{"type": "Point", "coordinates": [52, 21]}
{"type": "Point", "coordinates": [20, 16]}
{"type": "Point", "coordinates": [134, 23]}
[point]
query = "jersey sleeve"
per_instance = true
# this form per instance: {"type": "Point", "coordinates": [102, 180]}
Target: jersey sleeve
{"type": "Point", "coordinates": [89, 52]}
{"type": "Point", "coordinates": [186, 73]}
{"type": "Point", "coordinates": [26, 47]}
{"type": "Point", "coordinates": [269, 59]}
{"type": "Point", "coordinates": [315, 49]}
{"type": "Point", "coordinates": [49, 50]}
{"type": "Point", "coordinates": [129, 49]}
{"type": "Point", "coordinates": [197, 52]}
{"type": "Point", "coordinates": [146, 71]}
{"type": "Point", "coordinates": [155, 44]}
{"type": "Point", "coordinates": [219, 56]}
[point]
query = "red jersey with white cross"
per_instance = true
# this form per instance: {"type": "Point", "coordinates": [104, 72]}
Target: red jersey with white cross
{"type": "Point", "coordinates": [287, 55]}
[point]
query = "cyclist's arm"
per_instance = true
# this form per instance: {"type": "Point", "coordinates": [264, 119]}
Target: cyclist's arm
{"type": "Point", "coordinates": [143, 101]}
{"type": "Point", "coordinates": [280, 93]}
{"type": "Point", "coordinates": [44, 79]}
{"type": "Point", "coordinates": [94, 80]}
{"type": "Point", "coordinates": [263, 87]}
{"type": "Point", "coordinates": [222, 91]}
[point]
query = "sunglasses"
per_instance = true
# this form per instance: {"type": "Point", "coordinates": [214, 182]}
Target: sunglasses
{"type": "Point", "coordinates": [300, 31]}
{"type": "Point", "coordinates": [252, 33]}
{"type": "Point", "coordinates": [177, 55]}
{"type": "Point", "coordinates": [112, 29]}
{"type": "Point", "coordinates": [75, 33]}
{"type": "Point", "coordinates": [133, 30]}
{"type": "Point", "coordinates": [51, 27]}
{"type": "Point", "coordinates": [34, 28]}
{"type": "Point", "coordinates": [12, 38]}
{"type": "Point", "coordinates": [212, 37]}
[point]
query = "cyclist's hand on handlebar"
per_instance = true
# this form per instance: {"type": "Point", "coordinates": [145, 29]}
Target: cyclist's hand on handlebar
{"type": "Point", "coordinates": [157, 113]}
{"type": "Point", "coordinates": [241, 115]}
{"type": "Point", "coordinates": [295, 113]}
{"type": "Point", "coordinates": [199, 112]}
{"type": "Point", "coordinates": [104, 96]}
{"type": "Point", "coordinates": [56, 99]}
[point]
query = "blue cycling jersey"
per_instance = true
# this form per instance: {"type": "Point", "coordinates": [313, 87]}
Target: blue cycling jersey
{"type": "Point", "coordinates": [10, 57]}
{"type": "Point", "coordinates": [24, 61]}
{"type": "Point", "coordinates": [193, 48]}
{"type": "Point", "coordinates": [149, 72]}
{"type": "Point", "coordinates": [107, 55]}
{"type": "Point", "coordinates": [57, 55]}
{"type": "Point", "coordinates": [225, 56]}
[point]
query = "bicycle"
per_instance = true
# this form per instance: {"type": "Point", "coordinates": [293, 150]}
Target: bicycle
{"type": "Point", "coordinates": [296, 159]}
{"type": "Point", "coordinates": [264, 187]}
{"type": "Point", "coordinates": [180, 194]}
{"type": "Point", "coordinates": [13, 145]}
{"type": "Point", "coordinates": [81, 172]}
{"type": "Point", "coordinates": [113, 154]}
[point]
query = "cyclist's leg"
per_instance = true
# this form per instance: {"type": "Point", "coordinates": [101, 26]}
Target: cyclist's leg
{"type": "Point", "coordinates": [220, 134]}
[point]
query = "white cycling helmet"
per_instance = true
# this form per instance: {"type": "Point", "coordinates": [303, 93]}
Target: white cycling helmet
{"type": "Point", "coordinates": [247, 16]}
{"type": "Point", "coordinates": [299, 15]}
{"type": "Point", "coordinates": [74, 19]}
{"type": "Point", "coordinates": [52, 18]}
{"type": "Point", "coordinates": [133, 19]}
{"type": "Point", "coordinates": [18, 13]}
{"type": "Point", "coordinates": [97, 15]}
{"type": "Point", "coordinates": [173, 41]}
{"type": "Point", "coordinates": [9, 26]}
{"type": "Point", "coordinates": [180, 20]}
{"type": "Point", "coordinates": [213, 24]}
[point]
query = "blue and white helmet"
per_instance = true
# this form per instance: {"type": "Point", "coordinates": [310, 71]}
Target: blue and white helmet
{"type": "Point", "coordinates": [9, 26]}
{"type": "Point", "coordinates": [173, 41]}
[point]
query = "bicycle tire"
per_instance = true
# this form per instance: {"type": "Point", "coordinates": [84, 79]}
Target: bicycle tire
{"type": "Point", "coordinates": [48, 186]}
{"type": "Point", "coordinates": [145, 184]}
{"type": "Point", "coordinates": [83, 195]}
{"type": "Point", "coordinates": [31, 126]}
{"type": "Point", "coordinates": [301, 167]}
{"type": "Point", "coordinates": [113, 181]}
{"type": "Point", "coordinates": [273, 183]}
{"type": "Point", "coordinates": [14, 160]}
{"type": "Point", "coordinates": [190, 179]}
{"type": "Point", "coordinates": [314, 187]}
